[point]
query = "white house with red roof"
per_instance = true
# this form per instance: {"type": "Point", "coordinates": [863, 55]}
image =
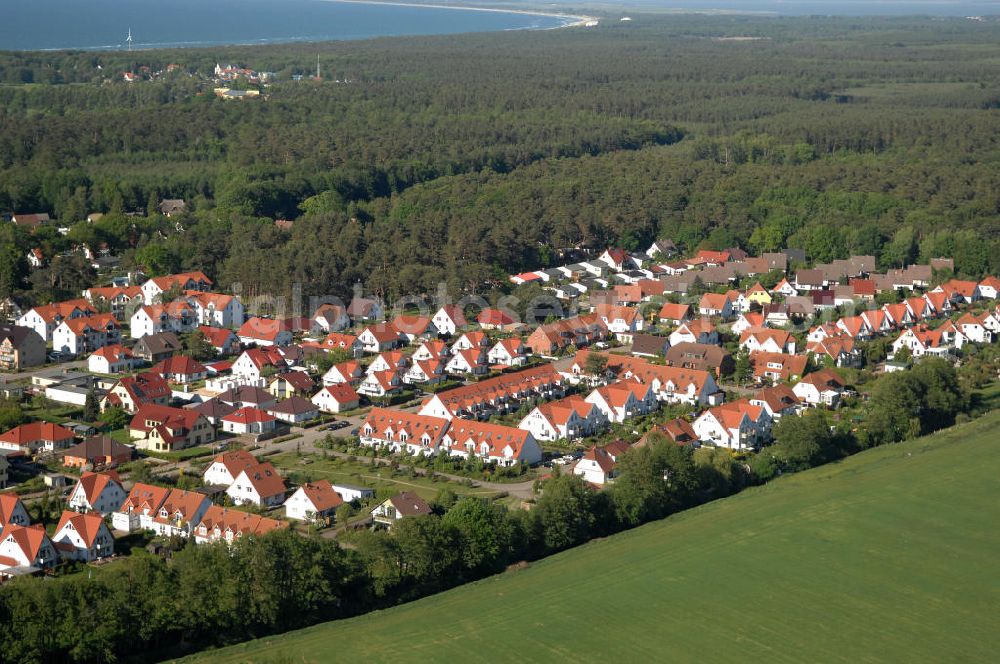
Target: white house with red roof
{"type": "Point", "coordinates": [598, 465]}
{"type": "Point", "coordinates": [989, 288]}
{"type": "Point", "coordinates": [469, 361]}
{"type": "Point", "coordinates": [820, 388]}
{"type": "Point", "coordinates": [177, 316]}
{"type": "Point", "coordinates": [922, 340]}
{"type": "Point", "coordinates": [181, 369]}
{"type": "Point", "coordinates": [617, 259]}
{"type": "Point", "coordinates": [259, 485]}
{"type": "Point", "coordinates": [26, 547]}
{"type": "Point", "coordinates": [36, 437]}
{"type": "Point", "coordinates": [389, 361]}
{"type": "Point", "coordinates": [12, 511]}
{"type": "Point", "coordinates": [226, 467]}
{"type": "Point", "coordinates": [249, 367]}
{"type": "Point", "coordinates": [349, 372]}
{"type": "Point", "coordinates": [97, 492]}
{"type": "Point", "coordinates": [493, 443]}
{"type": "Point", "coordinates": [379, 338]}
{"type": "Point", "coordinates": [425, 371]}
{"type": "Point", "coordinates": [674, 314]}
{"type": "Point", "coordinates": [737, 425]}
{"type": "Point", "coordinates": [83, 537]}
{"type": "Point", "coordinates": [496, 319]}
{"type": "Point", "coordinates": [474, 340]}
{"type": "Point", "coordinates": [223, 340]}
{"type": "Point", "coordinates": [700, 331]}
{"type": "Point", "coordinates": [112, 359]}
{"type": "Point", "coordinates": [86, 334]}
{"type": "Point", "coordinates": [178, 514]}
{"type": "Point", "coordinates": [715, 304]}
{"type": "Point", "coordinates": [294, 410]}
{"type": "Point", "coordinates": [570, 417]}
{"type": "Point", "coordinates": [336, 398]}
{"type": "Point", "coordinates": [291, 383]}
{"type": "Point", "coordinates": [313, 501]}
{"type": "Point", "coordinates": [249, 420]}
{"type": "Point", "coordinates": [449, 319]}
{"type": "Point", "coordinates": [399, 430]}
{"type": "Point", "coordinates": [186, 281]}
{"type": "Point", "coordinates": [624, 400]}
{"type": "Point", "coordinates": [621, 321]}
{"type": "Point", "coordinates": [221, 524]}
{"type": "Point", "coordinates": [265, 332]}
{"type": "Point", "coordinates": [509, 352]}
{"type": "Point", "coordinates": [767, 340]}
{"type": "Point", "coordinates": [974, 329]}
{"type": "Point", "coordinates": [46, 318]}
{"type": "Point", "coordinates": [431, 350]}
{"type": "Point", "coordinates": [414, 327]}
{"type": "Point", "coordinates": [381, 384]}
{"type": "Point", "coordinates": [784, 288]}
{"type": "Point", "coordinates": [330, 318]}
{"type": "Point", "coordinates": [216, 309]}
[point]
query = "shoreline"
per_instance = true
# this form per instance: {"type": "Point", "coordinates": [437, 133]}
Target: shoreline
{"type": "Point", "coordinates": [572, 20]}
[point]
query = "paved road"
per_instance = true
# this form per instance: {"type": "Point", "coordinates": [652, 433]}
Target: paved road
{"type": "Point", "coordinates": [26, 375]}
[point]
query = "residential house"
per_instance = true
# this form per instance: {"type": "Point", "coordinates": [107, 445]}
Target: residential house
{"type": "Point", "coordinates": [226, 467]}
{"type": "Point", "coordinates": [570, 417]}
{"type": "Point", "coordinates": [336, 398]}
{"type": "Point", "coordinates": [364, 309]}
{"type": "Point", "coordinates": [974, 329]}
{"type": "Point", "coordinates": [648, 345]}
{"type": "Point", "coordinates": [922, 340]}
{"type": "Point", "coordinates": [580, 331]}
{"type": "Point", "coordinates": [313, 501]}
{"type": "Point", "coordinates": [678, 430]}
{"type": "Point", "coordinates": [510, 352]}
{"type": "Point", "coordinates": [715, 304]}
{"type": "Point", "coordinates": [77, 336]}
{"type": "Point", "coordinates": [265, 332]}
{"type": "Point", "coordinates": [766, 340]}
{"type": "Point", "coordinates": [156, 347]}
{"type": "Point", "coordinates": [432, 350]}
{"type": "Point", "coordinates": [497, 395]}
{"type": "Point", "coordinates": [471, 361]}
{"type": "Point", "coordinates": [776, 367]}
{"type": "Point", "coordinates": [36, 437]}
{"type": "Point", "coordinates": [220, 524]}
{"type": "Point", "coordinates": [705, 357]}
{"type": "Point", "coordinates": [842, 351]}
{"type": "Point", "coordinates": [624, 400]}
{"type": "Point", "coordinates": [154, 288]}
{"type": "Point", "coordinates": [180, 369]}
{"type": "Point", "coordinates": [253, 364]}
{"type": "Point", "coordinates": [400, 506]}
{"type": "Point", "coordinates": [178, 514]}
{"type": "Point", "coordinates": [989, 288]}
{"type": "Point", "coordinates": [330, 318]}
{"type": "Point", "coordinates": [746, 322]}
{"type": "Point", "coordinates": [496, 319]}
{"type": "Point", "coordinates": [352, 493]}
{"type": "Point", "coordinates": [26, 547]}
{"type": "Point", "coordinates": [425, 371]}
{"type": "Point", "coordinates": [216, 309]}
{"type": "Point", "coordinates": [346, 342]}
{"type": "Point", "coordinates": [97, 452]}
{"type": "Point", "coordinates": [757, 294]}
{"type": "Point", "coordinates": [777, 401]}
{"type": "Point", "coordinates": [598, 465]}
{"type": "Point", "coordinates": [121, 301]}
{"type": "Point", "coordinates": [247, 395]}
{"type": "Point", "coordinates": [412, 328]}
{"type": "Point", "coordinates": [12, 511]}
{"type": "Point", "coordinates": [400, 431]}
{"type": "Point", "coordinates": [139, 507]}
{"type": "Point", "coordinates": [294, 410]}
{"type": "Point", "coordinates": [674, 314]}
{"type": "Point", "coordinates": [700, 331]}
{"type": "Point", "coordinates": [165, 429]}
{"type": "Point", "coordinates": [389, 361]}
{"type": "Point", "coordinates": [381, 384]}
{"type": "Point", "coordinates": [820, 388]}
{"type": "Point", "coordinates": [20, 348]}
{"type": "Point", "coordinates": [379, 338]}
{"type": "Point", "coordinates": [45, 319]}
{"type": "Point", "coordinates": [808, 280]}
{"type": "Point", "coordinates": [259, 485]}
{"type": "Point", "coordinates": [249, 420]}
{"type": "Point", "coordinates": [221, 339]}
{"type": "Point", "coordinates": [621, 321]}
{"type": "Point", "coordinates": [617, 259]}
{"type": "Point", "coordinates": [83, 537]}
{"type": "Point", "coordinates": [177, 317]}
{"type": "Point", "coordinates": [492, 443]}
{"type": "Point", "coordinates": [669, 384]}
{"type": "Point", "coordinates": [112, 359]}
{"type": "Point", "coordinates": [132, 392]}
{"type": "Point", "coordinates": [737, 425]}
{"type": "Point", "coordinates": [349, 372]}
{"type": "Point", "coordinates": [290, 384]}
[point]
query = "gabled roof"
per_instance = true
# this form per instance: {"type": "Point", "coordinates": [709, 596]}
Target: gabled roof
{"type": "Point", "coordinates": [87, 525]}
{"type": "Point", "coordinates": [415, 325]}
{"type": "Point", "coordinates": [29, 539]}
{"type": "Point", "coordinates": [299, 380]}
{"type": "Point", "coordinates": [341, 393]}
{"type": "Point", "coordinates": [295, 405]}
{"type": "Point", "coordinates": [214, 408]}
{"type": "Point", "coordinates": [321, 495]}
{"type": "Point", "coordinates": [167, 282]}
{"type": "Point", "coordinates": [26, 433]}
{"type": "Point", "coordinates": [145, 387]}
{"type": "Point", "coordinates": [248, 415]}
{"type": "Point", "coordinates": [98, 447]}
{"type": "Point", "coordinates": [81, 324]}
{"type": "Point", "coordinates": [824, 379]}
{"type": "Point", "coordinates": [382, 333]}
{"type": "Point", "coordinates": [145, 496]}
{"type": "Point", "coordinates": [264, 329]}
{"type": "Point", "coordinates": [494, 317]}
{"type": "Point", "coordinates": [236, 522]}
{"type": "Point", "coordinates": [216, 336]}
{"type": "Point", "coordinates": [179, 364]}
{"type": "Point", "coordinates": [382, 419]}
{"type": "Point", "coordinates": [265, 480]}
{"type": "Point", "coordinates": [9, 503]}
{"type": "Point", "coordinates": [235, 461]}
{"type": "Point", "coordinates": [113, 353]}
{"type": "Point", "coordinates": [777, 398]}
{"type": "Point", "coordinates": [601, 457]}
{"type": "Point", "coordinates": [496, 437]}
{"type": "Point", "coordinates": [408, 503]}
{"type": "Point", "coordinates": [182, 503]}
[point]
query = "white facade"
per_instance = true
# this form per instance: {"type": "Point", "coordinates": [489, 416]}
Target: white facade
{"type": "Point", "coordinates": [107, 501]}
{"type": "Point", "coordinates": [102, 545]}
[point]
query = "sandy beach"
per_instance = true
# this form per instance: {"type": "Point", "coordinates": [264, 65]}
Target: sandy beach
{"type": "Point", "coordinates": [572, 21]}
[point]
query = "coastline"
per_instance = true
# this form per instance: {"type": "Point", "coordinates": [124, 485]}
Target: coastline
{"type": "Point", "coordinates": [571, 20]}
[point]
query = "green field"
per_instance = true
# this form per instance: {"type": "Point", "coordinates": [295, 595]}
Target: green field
{"type": "Point", "coordinates": [890, 555]}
